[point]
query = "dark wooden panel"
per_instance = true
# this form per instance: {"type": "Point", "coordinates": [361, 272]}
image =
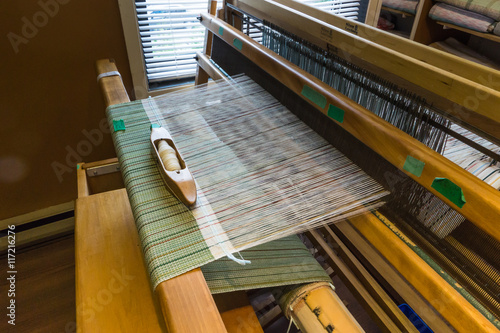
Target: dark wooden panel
{"type": "Point", "coordinates": [45, 288]}
{"type": "Point", "coordinates": [50, 96]}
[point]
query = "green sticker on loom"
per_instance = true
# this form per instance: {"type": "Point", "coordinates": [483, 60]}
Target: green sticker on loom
{"type": "Point", "coordinates": [78, 167]}
{"type": "Point", "coordinates": [450, 190]}
{"type": "Point", "coordinates": [155, 126]}
{"type": "Point", "coordinates": [314, 96]}
{"type": "Point", "coordinates": [336, 113]}
{"type": "Point", "coordinates": [119, 125]}
{"type": "Point", "coordinates": [414, 166]}
{"type": "Point", "coordinates": [238, 43]}
{"type": "Point", "coordinates": [221, 31]}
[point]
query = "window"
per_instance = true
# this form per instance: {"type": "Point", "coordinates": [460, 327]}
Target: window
{"type": "Point", "coordinates": [170, 35]}
{"type": "Point", "coordinates": [346, 8]}
{"type": "Point", "coordinates": [163, 36]}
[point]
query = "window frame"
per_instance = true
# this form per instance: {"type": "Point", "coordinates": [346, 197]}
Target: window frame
{"type": "Point", "coordinates": [135, 52]}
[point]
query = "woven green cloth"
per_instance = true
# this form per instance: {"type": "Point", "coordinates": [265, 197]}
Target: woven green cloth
{"type": "Point", "coordinates": [486, 7]}
{"type": "Point", "coordinates": [284, 261]}
{"type": "Point", "coordinates": [170, 237]}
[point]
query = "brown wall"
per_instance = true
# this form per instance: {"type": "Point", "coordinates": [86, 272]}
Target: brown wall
{"type": "Point", "coordinates": [49, 96]}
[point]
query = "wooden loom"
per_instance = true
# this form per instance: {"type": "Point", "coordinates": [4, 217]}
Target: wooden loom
{"type": "Point", "coordinates": [179, 303]}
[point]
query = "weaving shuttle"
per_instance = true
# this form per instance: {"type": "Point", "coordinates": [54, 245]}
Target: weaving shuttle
{"type": "Point", "coordinates": [178, 178]}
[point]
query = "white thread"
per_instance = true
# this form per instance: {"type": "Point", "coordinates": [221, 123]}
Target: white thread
{"type": "Point", "coordinates": [168, 156]}
{"type": "Point", "coordinates": [291, 320]}
{"type": "Point", "coordinates": [216, 231]}
{"type": "Point", "coordinates": [216, 234]}
{"type": "Point", "coordinates": [264, 174]}
{"type": "Point", "coordinates": [112, 73]}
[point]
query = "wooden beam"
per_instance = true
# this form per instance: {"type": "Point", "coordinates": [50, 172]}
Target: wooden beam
{"type": "Point", "coordinates": [113, 292]}
{"type": "Point", "coordinates": [468, 96]}
{"type": "Point", "coordinates": [81, 176]}
{"type": "Point", "coordinates": [186, 301]}
{"type": "Point", "coordinates": [237, 313]}
{"type": "Point", "coordinates": [439, 293]}
{"type": "Point", "coordinates": [112, 87]}
{"type": "Point", "coordinates": [355, 286]}
{"type": "Point", "coordinates": [483, 201]}
{"type": "Point", "coordinates": [241, 319]}
{"type": "Point", "coordinates": [485, 35]}
{"type": "Point", "coordinates": [393, 277]}
{"type": "Point", "coordinates": [372, 12]}
{"type": "Point", "coordinates": [201, 74]}
{"type": "Point", "coordinates": [371, 285]}
{"type": "Point", "coordinates": [212, 71]}
{"type": "Point", "coordinates": [187, 304]}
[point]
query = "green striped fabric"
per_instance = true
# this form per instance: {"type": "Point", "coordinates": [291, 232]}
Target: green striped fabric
{"type": "Point", "coordinates": [284, 261]}
{"type": "Point", "coordinates": [171, 240]}
{"type": "Point", "coordinates": [170, 237]}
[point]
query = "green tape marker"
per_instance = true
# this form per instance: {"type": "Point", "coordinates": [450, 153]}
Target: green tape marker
{"type": "Point", "coordinates": [155, 126]}
{"type": "Point", "coordinates": [314, 96]}
{"type": "Point", "coordinates": [119, 125]}
{"type": "Point", "coordinates": [78, 167]}
{"type": "Point", "coordinates": [238, 43]}
{"type": "Point", "coordinates": [450, 190]}
{"type": "Point", "coordinates": [336, 113]}
{"type": "Point", "coordinates": [221, 31]}
{"type": "Point", "coordinates": [414, 166]}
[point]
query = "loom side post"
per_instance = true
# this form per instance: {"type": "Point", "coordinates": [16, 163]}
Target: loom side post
{"type": "Point", "coordinates": [201, 74]}
{"type": "Point", "coordinates": [186, 302]}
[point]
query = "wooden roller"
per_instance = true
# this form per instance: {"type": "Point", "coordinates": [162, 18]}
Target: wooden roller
{"type": "Point", "coordinates": [316, 308]}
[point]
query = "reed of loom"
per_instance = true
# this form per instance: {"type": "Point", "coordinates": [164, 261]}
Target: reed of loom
{"type": "Point", "coordinates": [295, 79]}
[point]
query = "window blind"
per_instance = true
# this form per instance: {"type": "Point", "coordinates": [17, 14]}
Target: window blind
{"type": "Point", "coordinates": [171, 34]}
{"type": "Point", "coordinates": [345, 8]}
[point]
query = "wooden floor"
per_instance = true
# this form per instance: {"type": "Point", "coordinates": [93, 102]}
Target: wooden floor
{"type": "Point", "coordinates": [45, 288]}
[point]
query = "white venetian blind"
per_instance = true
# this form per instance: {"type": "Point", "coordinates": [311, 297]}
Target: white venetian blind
{"type": "Point", "coordinates": [171, 35]}
{"type": "Point", "coordinates": [346, 8]}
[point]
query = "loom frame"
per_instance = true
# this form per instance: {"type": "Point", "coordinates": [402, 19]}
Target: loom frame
{"type": "Point", "coordinates": [483, 202]}
{"type": "Point", "coordinates": [258, 55]}
{"type": "Point", "coordinates": [113, 95]}
{"type": "Point", "coordinates": [181, 304]}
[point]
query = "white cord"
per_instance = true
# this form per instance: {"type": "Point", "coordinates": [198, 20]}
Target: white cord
{"type": "Point", "coordinates": [113, 73]}
{"type": "Point", "coordinates": [291, 320]}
